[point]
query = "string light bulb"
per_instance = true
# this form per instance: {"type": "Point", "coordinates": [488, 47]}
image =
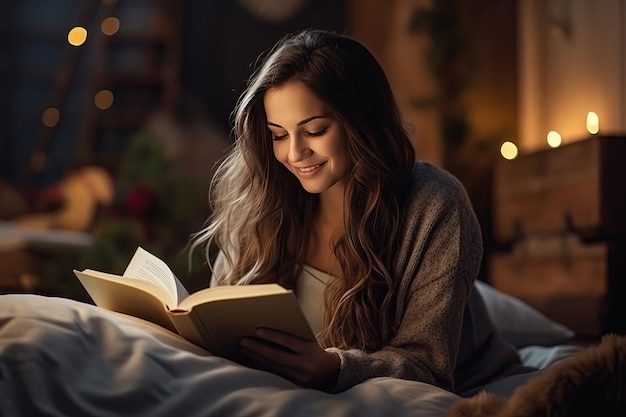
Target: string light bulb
{"type": "Point", "coordinates": [50, 117]}
{"type": "Point", "coordinates": [77, 36]}
{"type": "Point", "coordinates": [509, 150]}
{"type": "Point", "coordinates": [103, 99]}
{"type": "Point", "coordinates": [110, 26]}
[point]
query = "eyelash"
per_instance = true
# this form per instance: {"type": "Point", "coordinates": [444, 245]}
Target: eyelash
{"type": "Point", "coordinates": [312, 134]}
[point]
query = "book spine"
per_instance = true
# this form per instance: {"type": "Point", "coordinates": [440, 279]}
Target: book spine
{"type": "Point", "coordinates": [192, 329]}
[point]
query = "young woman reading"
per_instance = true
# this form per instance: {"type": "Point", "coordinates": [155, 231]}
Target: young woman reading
{"type": "Point", "coordinates": [322, 193]}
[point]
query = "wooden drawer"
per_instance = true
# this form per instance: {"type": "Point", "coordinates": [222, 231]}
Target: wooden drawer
{"type": "Point", "coordinates": [579, 187]}
{"type": "Point", "coordinates": [559, 228]}
{"type": "Point", "coordinates": [560, 276]}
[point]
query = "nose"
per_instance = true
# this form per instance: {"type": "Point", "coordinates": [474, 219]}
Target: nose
{"type": "Point", "coordinates": [298, 149]}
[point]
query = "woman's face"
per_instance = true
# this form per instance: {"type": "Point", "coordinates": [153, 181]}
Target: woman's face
{"type": "Point", "coordinates": [307, 139]}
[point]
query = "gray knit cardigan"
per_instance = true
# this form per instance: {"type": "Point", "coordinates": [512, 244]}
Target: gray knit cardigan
{"type": "Point", "coordinates": [445, 336]}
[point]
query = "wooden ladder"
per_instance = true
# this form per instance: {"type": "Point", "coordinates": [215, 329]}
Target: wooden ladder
{"type": "Point", "coordinates": [139, 64]}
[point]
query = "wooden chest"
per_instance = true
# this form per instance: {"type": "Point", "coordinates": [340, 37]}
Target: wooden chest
{"type": "Point", "coordinates": [559, 223]}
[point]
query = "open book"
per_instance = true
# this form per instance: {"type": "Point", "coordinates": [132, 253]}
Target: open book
{"type": "Point", "coordinates": [215, 318]}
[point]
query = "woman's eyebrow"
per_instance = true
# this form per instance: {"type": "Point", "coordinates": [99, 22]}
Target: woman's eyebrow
{"type": "Point", "coordinates": [300, 123]}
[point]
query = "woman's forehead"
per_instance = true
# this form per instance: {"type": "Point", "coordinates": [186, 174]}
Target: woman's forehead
{"type": "Point", "coordinates": [293, 103]}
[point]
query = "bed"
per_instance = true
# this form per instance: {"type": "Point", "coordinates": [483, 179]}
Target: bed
{"type": "Point", "coordinates": [61, 357]}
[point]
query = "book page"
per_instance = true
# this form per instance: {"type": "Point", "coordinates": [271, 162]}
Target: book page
{"type": "Point", "coordinates": [229, 292]}
{"type": "Point", "coordinates": [136, 297]}
{"type": "Point", "coordinates": [147, 267]}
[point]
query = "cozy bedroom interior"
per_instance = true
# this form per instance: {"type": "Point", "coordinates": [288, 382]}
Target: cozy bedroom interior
{"type": "Point", "coordinates": [113, 114]}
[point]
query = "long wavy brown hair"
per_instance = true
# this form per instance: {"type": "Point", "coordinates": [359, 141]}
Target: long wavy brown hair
{"type": "Point", "coordinates": [260, 212]}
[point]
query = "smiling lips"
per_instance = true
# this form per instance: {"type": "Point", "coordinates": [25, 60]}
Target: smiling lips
{"type": "Point", "coordinates": [309, 171]}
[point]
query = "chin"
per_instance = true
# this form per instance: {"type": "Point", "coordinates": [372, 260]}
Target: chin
{"type": "Point", "coordinates": [312, 190]}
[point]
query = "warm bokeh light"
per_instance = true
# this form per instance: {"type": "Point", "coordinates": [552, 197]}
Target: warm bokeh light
{"type": "Point", "coordinates": [103, 99]}
{"type": "Point", "coordinates": [554, 139]}
{"type": "Point", "coordinates": [110, 26]}
{"type": "Point", "coordinates": [50, 117]}
{"type": "Point", "coordinates": [593, 123]}
{"type": "Point", "coordinates": [77, 36]}
{"type": "Point", "coordinates": [508, 150]}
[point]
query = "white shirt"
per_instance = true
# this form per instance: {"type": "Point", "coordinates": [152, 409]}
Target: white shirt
{"type": "Point", "coordinates": [311, 286]}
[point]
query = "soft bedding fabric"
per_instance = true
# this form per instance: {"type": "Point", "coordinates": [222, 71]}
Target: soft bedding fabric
{"type": "Point", "coordinates": [60, 357]}
{"type": "Point", "coordinates": [519, 323]}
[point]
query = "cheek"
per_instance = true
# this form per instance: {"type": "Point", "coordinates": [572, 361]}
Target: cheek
{"type": "Point", "coordinates": [340, 150]}
{"type": "Point", "coordinates": [279, 152]}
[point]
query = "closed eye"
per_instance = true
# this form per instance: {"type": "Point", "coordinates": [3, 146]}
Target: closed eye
{"type": "Point", "coordinates": [317, 133]}
{"type": "Point", "coordinates": [279, 137]}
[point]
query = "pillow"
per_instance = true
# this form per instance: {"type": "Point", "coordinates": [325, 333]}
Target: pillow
{"type": "Point", "coordinates": [519, 323]}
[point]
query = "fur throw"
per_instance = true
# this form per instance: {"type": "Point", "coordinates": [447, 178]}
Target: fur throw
{"type": "Point", "coordinates": [589, 383]}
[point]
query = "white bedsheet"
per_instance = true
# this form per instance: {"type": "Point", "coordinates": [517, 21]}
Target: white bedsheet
{"type": "Point", "coordinates": [59, 357]}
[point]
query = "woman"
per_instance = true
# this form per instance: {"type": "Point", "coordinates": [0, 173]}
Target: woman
{"type": "Point", "coordinates": [321, 193]}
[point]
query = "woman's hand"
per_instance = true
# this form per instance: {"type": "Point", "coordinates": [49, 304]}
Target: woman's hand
{"type": "Point", "coordinates": [303, 362]}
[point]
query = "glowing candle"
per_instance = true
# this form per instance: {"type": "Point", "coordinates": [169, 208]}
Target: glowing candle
{"type": "Point", "coordinates": [554, 139]}
{"type": "Point", "coordinates": [593, 123]}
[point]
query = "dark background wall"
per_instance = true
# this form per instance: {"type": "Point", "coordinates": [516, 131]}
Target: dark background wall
{"type": "Point", "coordinates": [221, 42]}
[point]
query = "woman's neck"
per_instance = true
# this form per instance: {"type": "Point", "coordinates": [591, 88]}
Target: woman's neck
{"type": "Point", "coordinates": [327, 226]}
{"type": "Point", "coordinates": [330, 210]}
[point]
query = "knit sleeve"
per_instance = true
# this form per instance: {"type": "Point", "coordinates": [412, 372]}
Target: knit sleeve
{"type": "Point", "coordinates": [437, 265]}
